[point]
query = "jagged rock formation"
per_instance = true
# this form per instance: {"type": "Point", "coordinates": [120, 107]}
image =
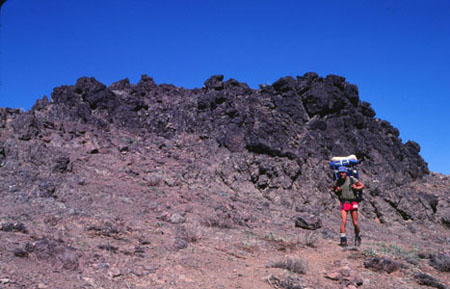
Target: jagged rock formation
{"type": "Point", "coordinates": [104, 160]}
{"type": "Point", "coordinates": [281, 136]}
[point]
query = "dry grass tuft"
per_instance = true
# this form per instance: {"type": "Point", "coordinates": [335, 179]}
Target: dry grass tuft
{"type": "Point", "coordinates": [312, 240]}
{"type": "Point", "coordinates": [294, 265]}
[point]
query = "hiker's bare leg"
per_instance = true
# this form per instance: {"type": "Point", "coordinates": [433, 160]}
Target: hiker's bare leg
{"type": "Point", "coordinates": [344, 219]}
{"type": "Point", "coordinates": [354, 215]}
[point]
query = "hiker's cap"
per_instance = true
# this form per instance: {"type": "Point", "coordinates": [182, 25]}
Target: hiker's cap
{"type": "Point", "coordinates": [342, 169]}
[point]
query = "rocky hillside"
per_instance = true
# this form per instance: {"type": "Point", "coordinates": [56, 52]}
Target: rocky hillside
{"type": "Point", "coordinates": [156, 186]}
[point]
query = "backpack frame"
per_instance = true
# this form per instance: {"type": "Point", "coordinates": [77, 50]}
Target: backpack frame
{"type": "Point", "coordinates": [350, 164]}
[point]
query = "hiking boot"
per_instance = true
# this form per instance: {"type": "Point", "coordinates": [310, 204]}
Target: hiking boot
{"type": "Point", "coordinates": [343, 242]}
{"type": "Point", "coordinates": [357, 241]}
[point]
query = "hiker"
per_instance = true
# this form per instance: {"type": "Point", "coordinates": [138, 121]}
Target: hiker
{"type": "Point", "coordinates": [346, 188]}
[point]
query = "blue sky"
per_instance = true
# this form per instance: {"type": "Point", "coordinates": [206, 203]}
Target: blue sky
{"type": "Point", "coordinates": [396, 52]}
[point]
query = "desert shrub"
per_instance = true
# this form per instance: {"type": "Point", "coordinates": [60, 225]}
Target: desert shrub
{"type": "Point", "coordinates": [393, 250]}
{"type": "Point", "coordinates": [294, 265]}
{"type": "Point", "coordinates": [216, 221]}
{"type": "Point", "coordinates": [411, 256]}
{"type": "Point", "coordinates": [441, 262]}
{"type": "Point", "coordinates": [188, 233]}
{"type": "Point", "coordinates": [370, 252]}
{"type": "Point", "coordinates": [312, 240]}
{"type": "Point", "coordinates": [269, 236]}
{"type": "Point", "coordinates": [428, 280]}
{"type": "Point", "coordinates": [291, 282]}
{"type": "Point", "coordinates": [382, 264]}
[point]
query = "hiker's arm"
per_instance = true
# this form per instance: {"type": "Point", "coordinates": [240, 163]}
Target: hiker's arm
{"type": "Point", "coordinates": [358, 186]}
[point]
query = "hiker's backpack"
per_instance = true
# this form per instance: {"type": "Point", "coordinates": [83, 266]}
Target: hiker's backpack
{"type": "Point", "coordinates": [349, 162]}
{"type": "Point", "coordinates": [358, 193]}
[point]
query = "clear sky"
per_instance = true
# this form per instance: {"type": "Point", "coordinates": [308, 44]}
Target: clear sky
{"type": "Point", "coordinates": [396, 52]}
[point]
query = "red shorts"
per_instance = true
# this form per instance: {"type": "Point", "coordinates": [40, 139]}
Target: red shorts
{"type": "Point", "coordinates": [349, 206]}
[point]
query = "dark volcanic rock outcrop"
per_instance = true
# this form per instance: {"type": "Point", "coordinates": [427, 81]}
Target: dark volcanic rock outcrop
{"type": "Point", "coordinates": [280, 137]}
{"type": "Point", "coordinates": [143, 185]}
